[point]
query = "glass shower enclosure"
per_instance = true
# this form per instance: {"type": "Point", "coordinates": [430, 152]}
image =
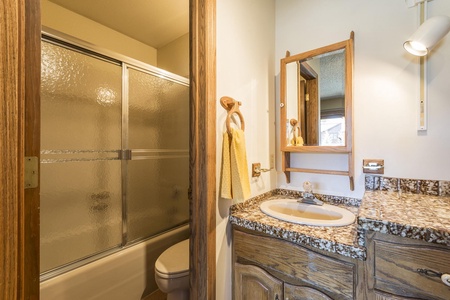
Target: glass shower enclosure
{"type": "Point", "coordinates": [114, 153]}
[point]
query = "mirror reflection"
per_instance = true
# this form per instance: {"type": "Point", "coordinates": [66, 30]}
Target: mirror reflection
{"type": "Point", "coordinates": [315, 100]}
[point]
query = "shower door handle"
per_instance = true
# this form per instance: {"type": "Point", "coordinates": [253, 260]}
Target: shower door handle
{"type": "Point", "coordinates": [125, 154]}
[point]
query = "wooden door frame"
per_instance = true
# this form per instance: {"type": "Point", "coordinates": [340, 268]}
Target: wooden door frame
{"type": "Point", "coordinates": [20, 35]}
{"type": "Point", "coordinates": [203, 149]}
{"type": "Point", "coordinates": [19, 126]}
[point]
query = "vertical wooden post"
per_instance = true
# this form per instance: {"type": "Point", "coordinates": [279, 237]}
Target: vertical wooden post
{"type": "Point", "coordinates": [202, 150]}
{"type": "Point", "coordinates": [19, 215]}
{"type": "Point", "coordinates": [32, 130]}
{"type": "Point", "coordinates": [11, 150]}
{"type": "Point", "coordinates": [286, 164]}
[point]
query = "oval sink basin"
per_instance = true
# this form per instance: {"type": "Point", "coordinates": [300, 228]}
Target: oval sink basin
{"type": "Point", "coordinates": [290, 210]}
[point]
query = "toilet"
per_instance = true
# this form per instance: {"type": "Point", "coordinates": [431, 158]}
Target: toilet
{"type": "Point", "coordinates": [172, 271]}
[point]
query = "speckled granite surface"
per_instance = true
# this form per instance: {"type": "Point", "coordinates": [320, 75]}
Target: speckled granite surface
{"type": "Point", "coordinates": [417, 209]}
{"type": "Point", "coordinates": [414, 186]}
{"type": "Point", "coordinates": [416, 216]}
{"type": "Point", "coordinates": [341, 240]}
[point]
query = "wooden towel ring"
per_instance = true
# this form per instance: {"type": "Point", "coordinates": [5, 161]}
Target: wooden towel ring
{"type": "Point", "coordinates": [232, 106]}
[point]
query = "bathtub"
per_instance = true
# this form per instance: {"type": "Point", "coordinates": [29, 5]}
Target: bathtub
{"type": "Point", "coordinates": [124, 275]}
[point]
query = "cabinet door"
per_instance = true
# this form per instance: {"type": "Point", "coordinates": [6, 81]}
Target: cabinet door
{"type": "Point", "coordinates": [332, 276]}
{"type": "Point", "coordinates": [293, 292]}
{"type": "Point", "coordinates": [252, 283]}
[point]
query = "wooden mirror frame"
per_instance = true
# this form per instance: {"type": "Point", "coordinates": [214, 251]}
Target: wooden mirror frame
{"type": "Point", "coordinates": [347, 45]}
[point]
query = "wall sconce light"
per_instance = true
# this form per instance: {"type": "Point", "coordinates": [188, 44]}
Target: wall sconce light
{"type": "Point", "coordinates": [427, 35]}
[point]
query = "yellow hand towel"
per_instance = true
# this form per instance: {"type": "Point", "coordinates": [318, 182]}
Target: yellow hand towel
{"type": "Point", "coordinates": [235, 179]}
{"type": "Point", "coordinates": [225, 191]}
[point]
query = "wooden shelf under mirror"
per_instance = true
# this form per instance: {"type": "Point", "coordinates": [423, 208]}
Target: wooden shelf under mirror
{"type": "Point", "coordinates": [287, 169]}
{"type": "Point", "coordinates": [316, 105]}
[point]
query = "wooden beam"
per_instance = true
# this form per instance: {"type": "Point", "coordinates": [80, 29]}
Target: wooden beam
{"type": "Point", "coordinates": [11, 150]}
{"type": "Point", "coordinates": [318, 171]}
{"type": "Point", "coordinates": [202, 193]}
{"type": "Point", "coordinates": [19, 130]}
{"type": "Point", "coordinates": [307, 72]}
{"type": "Point", "coordinates": [30, 234]}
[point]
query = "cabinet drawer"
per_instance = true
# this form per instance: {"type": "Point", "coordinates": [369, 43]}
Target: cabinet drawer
{"type": "Point", "coordinates": [301, 266]}
{"type": "Point", "coordinates": [396, 263]}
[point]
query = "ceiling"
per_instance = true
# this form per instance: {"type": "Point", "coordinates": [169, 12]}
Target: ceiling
{"type": "Point", "coordinates": [332, 71]}
{"type": "Point", "coordinates": [153, 22]}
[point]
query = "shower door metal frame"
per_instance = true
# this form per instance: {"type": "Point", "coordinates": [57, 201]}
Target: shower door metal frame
{"type": "Point", "coordinates": [130, 154]}
{"type": "Point", "coordinates": [124, 154]}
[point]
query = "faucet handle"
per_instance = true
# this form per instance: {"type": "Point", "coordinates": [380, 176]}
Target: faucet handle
{"type": "Point", "coordinates": [308, 186]}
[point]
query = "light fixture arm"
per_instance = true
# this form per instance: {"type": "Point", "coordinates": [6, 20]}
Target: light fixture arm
{"type": "Point", "coordinates": [429, 33]}
{"type": "Point", "coordinates": [423, 100]}
{"type": "Point", "coordinates": [416, 48]}
{"type": "Point", "coordinates": [412, 3]}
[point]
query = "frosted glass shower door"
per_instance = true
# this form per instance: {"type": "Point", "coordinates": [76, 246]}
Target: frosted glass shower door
{"type": "Point", "coordinates": [81, 117]}
{"type": "Point", "coordinates": [158, 173]}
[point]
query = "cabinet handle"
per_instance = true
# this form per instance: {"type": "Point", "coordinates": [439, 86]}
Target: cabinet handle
{"type": "Point", "coordinates": [444, 277]}
{"type": "Point", "coordinates": [430, 273]}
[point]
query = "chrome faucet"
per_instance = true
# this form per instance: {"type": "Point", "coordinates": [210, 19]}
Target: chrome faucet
{"type": "Point", "coordinates": [308, 197]}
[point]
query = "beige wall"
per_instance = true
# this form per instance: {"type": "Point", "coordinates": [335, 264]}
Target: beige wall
{"type": "Point", "coordinates": [386, 85]}
{"type": "Point", "coordinates": [63, 20]}
{"type": "Point", "coordinates": [245, 72]}
{"type": "Point", "coordinates": [174, 57]}
{"type": "Point", "coordinates": [386, 89]}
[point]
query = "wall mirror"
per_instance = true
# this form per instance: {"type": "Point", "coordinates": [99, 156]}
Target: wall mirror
{"type": "Point", "coordinates": [316, 103]}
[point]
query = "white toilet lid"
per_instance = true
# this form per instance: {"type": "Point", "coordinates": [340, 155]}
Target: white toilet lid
{"type": "Point", "coordinates": [174, 261]}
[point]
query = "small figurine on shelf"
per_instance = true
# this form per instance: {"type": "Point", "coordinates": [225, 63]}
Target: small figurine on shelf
{"type": "Point", "coordinates": [297, 139]}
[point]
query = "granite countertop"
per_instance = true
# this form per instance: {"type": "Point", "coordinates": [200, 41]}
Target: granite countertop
{"type": "Point", "coordinates": [416, 216]}
{"type": "Point", "coordinates": [341, 240]}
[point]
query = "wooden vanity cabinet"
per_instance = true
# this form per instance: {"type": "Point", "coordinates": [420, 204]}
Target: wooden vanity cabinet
{"type": "Point", "coordinates": [270, 268]}
{"type": "Point", "coordinates": [393, 263]}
